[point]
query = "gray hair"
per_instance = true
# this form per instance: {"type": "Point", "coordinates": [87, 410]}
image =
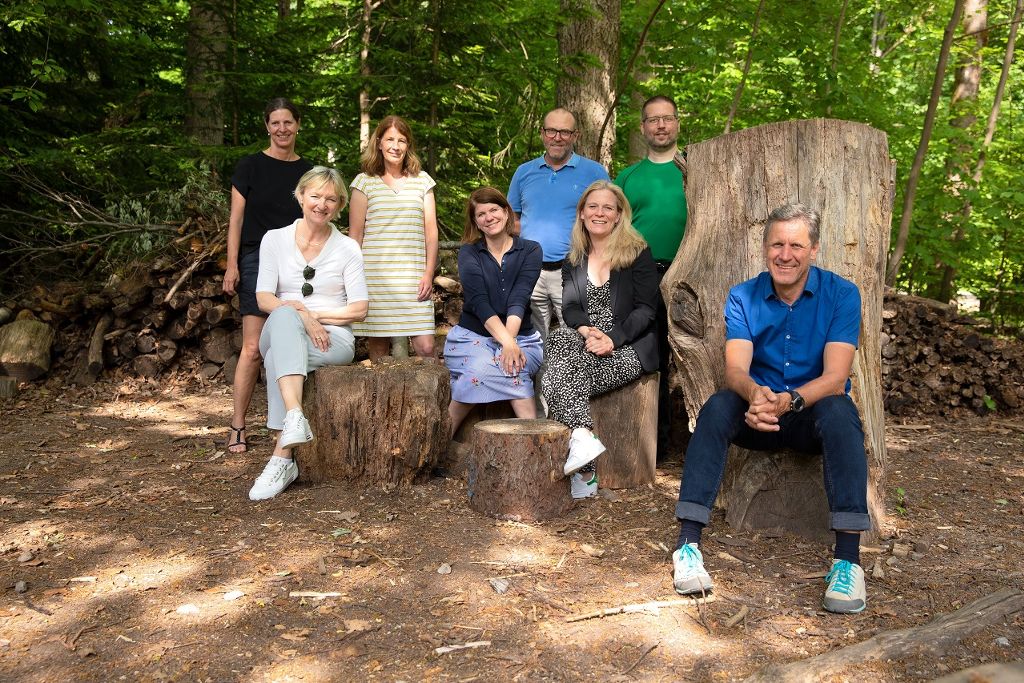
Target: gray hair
{"type": "Point", "coordinates": [322, 175]}
{"type": "Point", "coordinates": [788, 212]}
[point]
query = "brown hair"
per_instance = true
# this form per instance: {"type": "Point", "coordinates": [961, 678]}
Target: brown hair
{"type": "Point", "coordinates": [485, 195]}
{"type": "Point", "coordinates": [624, 244]}
{"type": "Point", "coordinates": [372, 160]}
{"type": "Point", "coordinates": [280, 103]}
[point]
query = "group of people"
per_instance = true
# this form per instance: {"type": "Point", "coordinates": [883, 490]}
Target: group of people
{"type": "Point", "coordinates": [566, 243]}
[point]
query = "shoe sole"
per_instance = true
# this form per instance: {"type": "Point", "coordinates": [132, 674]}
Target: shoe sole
{"type": "Point", "coordinates": [575, 467]}
{"type": "Point", "coordinates": [693, 586]}
{"type": "Point", "coordinates": [851, 607]}
{"type": "Point", "coordinates": [306, 438]}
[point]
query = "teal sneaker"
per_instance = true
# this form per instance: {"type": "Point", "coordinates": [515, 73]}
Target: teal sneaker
{"type": "Point", "coordinates": [844, 588]}
{"type": "Point", "coordinates": [688, 573]}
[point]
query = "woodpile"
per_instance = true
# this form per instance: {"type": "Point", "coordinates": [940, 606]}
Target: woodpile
{"type": "Point", "coordinates": [938, 362]}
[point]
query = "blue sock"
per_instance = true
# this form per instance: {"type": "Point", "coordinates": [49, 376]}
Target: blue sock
{"type": "Point", "coordinates": [689, 532]}
{"type": "Point", "coordinates": [848, 546]}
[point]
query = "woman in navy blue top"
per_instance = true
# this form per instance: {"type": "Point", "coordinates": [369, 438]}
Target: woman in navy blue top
{"type": "Point", "coordinates": [494, 352]}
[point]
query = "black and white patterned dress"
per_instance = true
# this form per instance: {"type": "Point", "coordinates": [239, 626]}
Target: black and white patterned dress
{"type": "Point", "coordinates": [574, 375]}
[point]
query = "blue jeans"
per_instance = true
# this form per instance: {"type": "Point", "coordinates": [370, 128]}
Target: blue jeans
{"type": "Point", "coordinates": [830, 427]}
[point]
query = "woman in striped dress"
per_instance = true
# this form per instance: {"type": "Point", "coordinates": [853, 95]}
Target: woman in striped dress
{"type": "Point", "coordinates": [394, 219]}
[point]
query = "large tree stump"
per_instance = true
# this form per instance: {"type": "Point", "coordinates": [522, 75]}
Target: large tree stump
{"type": "Point", "coordinates": [375, 425]}
{"type": "Point", "coordinates": [25, 349]}
{"type": "Point", "coordinates": [734, 181]}
{"type": "Point", "coordinates": [626, 421]}
{"type": "Point", "coordinates": [514, 469]}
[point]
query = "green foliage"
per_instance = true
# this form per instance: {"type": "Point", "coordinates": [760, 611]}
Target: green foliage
{"type": "Point", "coordinates": [92, 97]}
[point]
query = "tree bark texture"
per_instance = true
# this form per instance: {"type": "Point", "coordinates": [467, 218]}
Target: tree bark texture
{"type": "Point", "coordinates": [734, 181]}
{"type": "Point", "coordinates": [375, 425]}
{"type": "Point", "coordinates": [205, 62]}
{"type": "Point", "coordinates": [25, 349]}
{"type": "Point", "coordinates": [626, 421]}
{"type": "Point", "coordinates": [514, 469]}
{"type": "Point", "coordinates": [588, 47]}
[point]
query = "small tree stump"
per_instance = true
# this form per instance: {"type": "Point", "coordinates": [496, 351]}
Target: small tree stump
{"type": "Point", "coordinates": [384, 424]}
{"type": "Point", "coordinates": [8, 387]}
{"type": "Point", "coordinates": [25, 349]}
{"type": "Point", "coordinates": [626, 421]}
{"type": "Point", "coordinates": [514, 469]}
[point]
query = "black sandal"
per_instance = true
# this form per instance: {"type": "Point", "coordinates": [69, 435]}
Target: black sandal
{"type": "Point", "coordinates": [236, 438]}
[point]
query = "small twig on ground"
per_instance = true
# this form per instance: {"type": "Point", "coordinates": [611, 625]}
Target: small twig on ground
{"type": "Point", "coordinates": [738, 617]}
{"type": "Point", "coordinates": [641, 658]}
{"type": "Point", "coordinates": [644, 607]}
{"type": "Point", "coordinates": [466, 646]}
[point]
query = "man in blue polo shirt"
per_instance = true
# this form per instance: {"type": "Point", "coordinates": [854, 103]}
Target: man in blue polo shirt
{"type": "Point", "coordinates": [791, 335]}
{"type": "Point", "coordinates": [543, 195]}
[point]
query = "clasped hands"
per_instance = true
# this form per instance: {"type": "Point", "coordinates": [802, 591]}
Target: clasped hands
{"type": "Point", "coordinates": [595, 341]}
{"type": "Point", "coordinates": [766, 407]}
{"type": "Point", "coordinates": [512, 359]}
{"type": "Point", "coordinates": [316, 331]}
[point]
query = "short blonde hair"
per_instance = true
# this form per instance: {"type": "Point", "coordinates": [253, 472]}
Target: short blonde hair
{"type": "Point", "coordinates": [323, 175]}
{"type": "Point", "coordinates": [624, 244]}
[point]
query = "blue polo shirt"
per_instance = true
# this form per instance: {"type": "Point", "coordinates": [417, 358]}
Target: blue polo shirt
{"type": "Point", "coordinates": [789, 341]}
{"type": "Point", "coordinates": [546, 200]}
{"type": "Point", "coordinates": [497, 289]}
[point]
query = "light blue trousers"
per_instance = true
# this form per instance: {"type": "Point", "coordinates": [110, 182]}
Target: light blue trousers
{"type": "Point", "coordinates": [288, 350]}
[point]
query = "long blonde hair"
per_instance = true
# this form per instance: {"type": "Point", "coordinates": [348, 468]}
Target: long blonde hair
{"type": "Point", "coordinates": [372, 159]}
{"type": "Point", "coordinates": [624, 244]}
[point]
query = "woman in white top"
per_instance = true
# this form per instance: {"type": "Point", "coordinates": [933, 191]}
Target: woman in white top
{"type": "Point", "coordinates": [312, 286]}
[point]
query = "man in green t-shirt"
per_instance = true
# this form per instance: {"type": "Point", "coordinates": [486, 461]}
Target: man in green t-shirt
{"type": "Point", "coordinates": [654, 188]}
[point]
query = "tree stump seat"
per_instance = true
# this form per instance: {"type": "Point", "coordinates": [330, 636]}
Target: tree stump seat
{"type": "Point", "coordinates": [514, 469]}
{"type": "Point", "coordinates": [626, 421]}
{"type": "Point", "coordinates": [384, 424]}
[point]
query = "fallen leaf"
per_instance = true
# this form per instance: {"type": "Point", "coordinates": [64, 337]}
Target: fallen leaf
{"type": "Point", "coordinates": [233, 595]}
{"type": "Point", "coordinates": [187, 608]}
{"type": "Point", "coordinates": [26, 556]}
{"type": "Point", "coordinates": [296, 636]}
{"type": "Point", "coordinates": [337, 533]}
{"type": "Point", "coordinates": [591, 550]}
{"type": "Point", "coordinates": [356, 625]}
{"type": "Point", "coordinates": [444, 569]}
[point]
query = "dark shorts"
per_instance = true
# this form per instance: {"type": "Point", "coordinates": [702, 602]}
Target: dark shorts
{"type": "Point", "coordinates": [248, 271]}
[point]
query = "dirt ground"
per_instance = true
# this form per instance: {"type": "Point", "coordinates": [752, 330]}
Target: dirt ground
{"type": "Point", "coordinates": [129, 551]}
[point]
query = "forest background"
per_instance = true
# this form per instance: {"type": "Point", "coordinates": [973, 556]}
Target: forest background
{"type": "Point", "coordinates": [123, 121]}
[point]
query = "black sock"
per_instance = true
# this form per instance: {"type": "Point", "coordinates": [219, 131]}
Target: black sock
{"type": "Point", "coordinates": [689, 532]}
{"type": "Point", "coordinates": [848, 546]}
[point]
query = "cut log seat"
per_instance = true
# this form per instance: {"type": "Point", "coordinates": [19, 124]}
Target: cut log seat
{"type": "Point", "coordinates": [384, 424]}
{"type": "Point", "coordinates": [514, 469]}
{"type": "Point", "coordinates": [626, 421]}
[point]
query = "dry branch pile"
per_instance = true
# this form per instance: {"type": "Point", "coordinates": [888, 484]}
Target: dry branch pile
{"type": "Point", "coordinates": [936, 361]}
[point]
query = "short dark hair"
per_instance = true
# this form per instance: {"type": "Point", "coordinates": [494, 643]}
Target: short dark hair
{"type": "Point", "coordinates": [485, 195]}
{"type": "Point", "coordinates": [655, 99]}
{"type": "Point", "coordinates": [788, 212]}
{"type": "Point", "coordinates": [280, 103]}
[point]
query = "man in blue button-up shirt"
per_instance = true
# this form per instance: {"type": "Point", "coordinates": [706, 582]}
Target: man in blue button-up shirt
{"type": "Point", "coordinates": [791, 335]}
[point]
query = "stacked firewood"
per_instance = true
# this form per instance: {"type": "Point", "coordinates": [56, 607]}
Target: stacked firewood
{"type": "Point", "coordinates": [937, 361]}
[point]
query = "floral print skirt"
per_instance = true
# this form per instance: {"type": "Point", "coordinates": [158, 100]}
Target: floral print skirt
{"type": "Point", "coordinates": [476, 374]}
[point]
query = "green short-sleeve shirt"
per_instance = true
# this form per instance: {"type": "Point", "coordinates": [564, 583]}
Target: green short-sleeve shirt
{"type": "Point", "coordinates": [655, 193]}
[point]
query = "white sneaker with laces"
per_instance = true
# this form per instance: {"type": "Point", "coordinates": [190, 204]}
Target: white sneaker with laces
{"type": "Point", "coordinates": [276, 476]}
{"type": "Point", "coordinates": [688, 573]}
{"type": "Point", "coordinates": [295, 431]}
{"type": "Point", "coordinates": [584, 446]}
{"type": "Point", "coordinates": [845, 592]}
{"type": "Point", "coordinates": [583, 485]}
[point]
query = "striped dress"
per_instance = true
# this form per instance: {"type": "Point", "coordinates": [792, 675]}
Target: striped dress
{"type": "Point", "coordinates": [394, 256]}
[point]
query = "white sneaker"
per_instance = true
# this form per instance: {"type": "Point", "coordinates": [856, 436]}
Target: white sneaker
{"type": "Point", "coordinates": [276, 476]}
{"type": "Point", "coordinates": [583, 485]}
{"type": "Point", "coordinates": [295, 431]}
{"type": "Point", "coordinates": [845, 592]}
{"type": "Point", "coordinates": [584, 446]}
{"type": "Point", "coordinates": [688, 573]}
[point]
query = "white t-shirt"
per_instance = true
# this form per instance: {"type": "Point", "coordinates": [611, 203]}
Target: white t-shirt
{"type": "Point", "coordinates": [339, 276]}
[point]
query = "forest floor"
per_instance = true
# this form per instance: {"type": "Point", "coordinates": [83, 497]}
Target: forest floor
{"type": "Point", "coordinates": [129, 551]}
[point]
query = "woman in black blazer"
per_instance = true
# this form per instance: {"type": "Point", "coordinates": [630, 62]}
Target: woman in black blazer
{"type": "Point", "coordinates": [609, 298]}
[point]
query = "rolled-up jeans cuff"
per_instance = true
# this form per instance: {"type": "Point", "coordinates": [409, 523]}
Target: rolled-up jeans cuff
{"type": "Point", "coordinates": [693, 511]}
{"type": "Point", "coordinates": [842, 521]}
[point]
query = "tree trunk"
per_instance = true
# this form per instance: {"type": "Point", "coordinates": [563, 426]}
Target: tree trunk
{"type": "Point", "coordinates": [588, 46]}
{"type": "Point", "coordinates": [626, 420]}
{"type": "Point", "coordinates": [515, 469]}
{"type": "Point", "coordinates": [25, 349]}
{"type": "Point", "coordinates": [963, 116]}
{"type": "Point", "coordinates": [364, 75]}
{"type": "Point", "coordinates": [205, 62]}
{"type": "Point", "coordinates": [735, 180]}
{"type": "Point", "coordinates": [907, 212]}
{"type": "Point", "coordinates": [375, 425]}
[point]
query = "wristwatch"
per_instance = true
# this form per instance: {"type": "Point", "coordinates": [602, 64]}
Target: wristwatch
{"type": "Point", "coordinates": [798, 402]}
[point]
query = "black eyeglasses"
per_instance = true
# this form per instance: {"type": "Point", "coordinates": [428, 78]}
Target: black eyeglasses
{"type": "Point", "coordinates": [558, 132]}
{"type": "Point", "coordinates": [308, 273]}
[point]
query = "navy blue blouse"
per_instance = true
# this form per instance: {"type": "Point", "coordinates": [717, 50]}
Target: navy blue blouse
{"type": "Point", "coordinates": [504, 289]}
